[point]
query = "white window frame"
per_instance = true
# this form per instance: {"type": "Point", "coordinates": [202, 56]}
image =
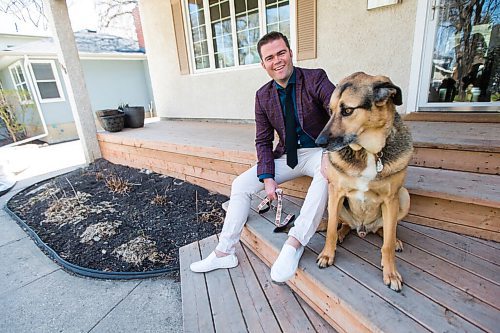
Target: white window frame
{"type": "Point", "coordinates": [56, 79]}
{"type": "Point", "coordinates": [211, 54]}
{"type": "Point", "coordinates": [423, 47]}
{"type": "Point", "coordinates": [17, 85]}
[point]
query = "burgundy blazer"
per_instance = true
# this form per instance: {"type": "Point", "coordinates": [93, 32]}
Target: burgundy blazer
{"type": "Point", "coordinates": [312, 92]}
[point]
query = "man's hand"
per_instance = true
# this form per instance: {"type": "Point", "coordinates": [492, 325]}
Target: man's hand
{"type": "Point", "coordinates": [324, 165]}
{"type": "Point", "coordinates": [270, 186]}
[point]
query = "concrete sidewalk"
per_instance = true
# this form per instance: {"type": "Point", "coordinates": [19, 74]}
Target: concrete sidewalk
{"type": "Point", "coordinates": [36, 295]}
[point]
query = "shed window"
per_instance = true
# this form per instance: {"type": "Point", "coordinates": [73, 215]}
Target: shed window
{"type": "Point", "coordinates": [46, 81]}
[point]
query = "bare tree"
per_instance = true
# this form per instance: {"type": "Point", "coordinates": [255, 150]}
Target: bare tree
{"type": "Point", "coordinates": [31, 11]}
{"type": "Point", "coordinates": [115, 17]}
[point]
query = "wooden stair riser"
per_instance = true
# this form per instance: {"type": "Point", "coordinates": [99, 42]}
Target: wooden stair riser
{"type": "Point", "coordinates": [458, 160]}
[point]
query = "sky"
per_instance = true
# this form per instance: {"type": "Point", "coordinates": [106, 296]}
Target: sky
{"type": "Point", "coordinates": [81, 12]}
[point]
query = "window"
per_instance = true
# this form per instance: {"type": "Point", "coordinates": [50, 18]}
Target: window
{"type": "Point", "coordinates": [47, 84]}
{"type": "Point", "coordinates": [224, 33]}
{"type": "Point", "coordinates": [19, 79]}
{"type": "Point", "coordinates": [460, 66]}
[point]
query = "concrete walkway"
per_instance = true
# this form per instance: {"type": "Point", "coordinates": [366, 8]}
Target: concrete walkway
{"type": "Point", "coordinates": [36, 295]}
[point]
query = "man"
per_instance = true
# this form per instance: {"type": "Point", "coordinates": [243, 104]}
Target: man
{"type": "Point", "coordinates": [295, 104]}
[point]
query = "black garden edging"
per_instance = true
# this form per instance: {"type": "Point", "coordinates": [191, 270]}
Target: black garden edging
{"type": "Point", "coordinates": [78, 270]}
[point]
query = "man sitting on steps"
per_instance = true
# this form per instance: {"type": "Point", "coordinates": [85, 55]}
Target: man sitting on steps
{"type": "Point", "coordinates": [295, 105]}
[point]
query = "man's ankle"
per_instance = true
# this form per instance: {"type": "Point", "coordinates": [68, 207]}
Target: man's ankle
{"type": "Point", "coordinates": [293, 242]}
{"type": "Point", "coordinates": [220, 254]}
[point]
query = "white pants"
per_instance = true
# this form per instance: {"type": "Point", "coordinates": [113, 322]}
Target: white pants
{"type": "Point", "coordinates": [246, 184]}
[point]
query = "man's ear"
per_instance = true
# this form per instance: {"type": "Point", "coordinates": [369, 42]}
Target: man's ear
{"type": "Point", "coordinates": [262, 64]}
{"type": "Point", "coordinates": [385, 90]}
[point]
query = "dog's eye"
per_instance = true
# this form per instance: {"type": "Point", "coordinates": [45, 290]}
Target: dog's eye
{"type": "Point", "coordinates": [346, 112]}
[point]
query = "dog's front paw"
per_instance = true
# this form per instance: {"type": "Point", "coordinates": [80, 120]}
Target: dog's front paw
{"type": "Point", "coordinates": [399, 245]}
{"type": "Point", "coordinates": [325, 259]}
{"type": "Point", "coordinates": [393, 279]}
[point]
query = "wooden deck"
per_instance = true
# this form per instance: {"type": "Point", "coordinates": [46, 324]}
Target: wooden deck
{"type": "Point", "coordinates": [242, 299]}
{"type": "Point", "coordinates": [452, 284]}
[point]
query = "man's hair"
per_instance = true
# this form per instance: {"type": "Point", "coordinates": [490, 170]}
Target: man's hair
{"type": "Point", "coordinates": [269, 37]}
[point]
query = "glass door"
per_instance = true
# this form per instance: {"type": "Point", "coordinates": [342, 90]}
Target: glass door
{"type": "Point", "coordinates": [461, 69]}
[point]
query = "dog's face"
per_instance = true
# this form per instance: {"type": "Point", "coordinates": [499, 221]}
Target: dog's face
{"type": "Point", "coordinates": [362, 111]}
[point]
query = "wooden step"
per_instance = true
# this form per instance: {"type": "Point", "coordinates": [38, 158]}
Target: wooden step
{"type": "Point", "coordinates": [460, 117]}
{"type": "Point", "coordinates": [452, 282]}
{"type": "Point", "coordinates": [241, 299]}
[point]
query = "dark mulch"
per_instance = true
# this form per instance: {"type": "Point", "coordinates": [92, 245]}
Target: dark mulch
{"type": "Point", "coordinates": [159, 213]}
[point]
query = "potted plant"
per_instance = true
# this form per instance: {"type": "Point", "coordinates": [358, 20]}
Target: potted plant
{"type": "Point", "coordinates": [112, 120]}
{"type": "Point", "coordinates": [134, 115]}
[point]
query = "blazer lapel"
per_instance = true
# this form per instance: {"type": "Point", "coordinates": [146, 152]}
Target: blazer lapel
{"type": "Point", "coordinates": [298, 96]}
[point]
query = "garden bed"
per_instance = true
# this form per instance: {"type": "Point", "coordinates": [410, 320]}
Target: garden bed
{"type": "Point", "coordinates": [113, 218]}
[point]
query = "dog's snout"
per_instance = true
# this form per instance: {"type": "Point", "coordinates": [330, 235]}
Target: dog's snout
{"type": "Point", "coordinates": [322, 140]}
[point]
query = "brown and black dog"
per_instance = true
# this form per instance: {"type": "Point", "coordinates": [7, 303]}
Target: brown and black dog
{"type": "Point", "coordinates": [368, 149]}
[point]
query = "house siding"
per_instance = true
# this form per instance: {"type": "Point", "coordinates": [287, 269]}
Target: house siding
{"type": "Point", "coordinates": [350, 39]}
{"type": "Point", "coordinates": [126, 82]}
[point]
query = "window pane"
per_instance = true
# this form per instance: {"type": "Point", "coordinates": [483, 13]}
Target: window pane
{"type": "Point", "coordinates": [254, 36]}
{"type": "Point", "coordinates": [14, 75]}
{"type": "Point", "coordinates": [239, 6]}
{"type": "Point", "coordinates": [21, 74]}
{"type": "Point", "coordinates": [252, 4]}
{"type": "Point", "coordinates": [268, 2]}
{"type": "Point", "coordinates": [272, 27]}
{"type": "Point", "coordinates": [284, 11]}
{"type": "Point", "coordinates": [48, 90]}
{"type": "Point", "coordinates": [272, 15]}
{"type": "Point", "coordinates": [241, 22]}
{"type": "Point", "coordinates": [253, 20]}
{"type": "Point", "coordinates": [214, 13]}
{"type": "Point", "coordinates": [465, 64]}
{"type": "Point", "coordinates": [242, 39]}
{"type": "Point", "coordinates": [224, 9]}
{"type": "Point", "coordinates": [284, 28]}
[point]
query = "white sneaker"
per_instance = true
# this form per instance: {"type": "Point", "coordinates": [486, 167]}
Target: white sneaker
{"type": "Point", "coordinates": [285, 266]}
{"type": "Point", "coordinates": [213, 262]}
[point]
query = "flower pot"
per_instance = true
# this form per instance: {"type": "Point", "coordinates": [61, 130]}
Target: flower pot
{"type": "Point", "coordinates": [113, 123]}
{"type": "Point", "coordinates": [105, 113]}
{"type": "Point", "coordinates": [134, 116]}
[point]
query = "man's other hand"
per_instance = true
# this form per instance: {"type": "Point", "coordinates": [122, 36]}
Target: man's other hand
{"type": "Point", "coordinates": [270, 187]}
{"type": "Point", "coordinates": [324, 165]}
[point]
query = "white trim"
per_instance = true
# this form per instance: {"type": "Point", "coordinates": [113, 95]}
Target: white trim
{"type": "Point", "coordinates": [82, 55]}
{"type": "Point", "coordinates": [56, 79]}
{"type": "Point", "coordinates": [419, 38]}
{"type": "Point", "coordinates": [36, 102]}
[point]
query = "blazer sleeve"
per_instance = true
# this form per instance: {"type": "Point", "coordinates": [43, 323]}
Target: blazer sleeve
{"type": "Point", "coordinates": [324, 90]}
{"type": "Point", "coordinates": [264, 137]}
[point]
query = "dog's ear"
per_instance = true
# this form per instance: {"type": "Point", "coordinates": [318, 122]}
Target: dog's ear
{"type": "Point", "coordinates": [382, 91]}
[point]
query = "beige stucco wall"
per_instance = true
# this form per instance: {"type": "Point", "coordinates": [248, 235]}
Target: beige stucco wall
{"type": "Point", "coordinates": [350, 39]}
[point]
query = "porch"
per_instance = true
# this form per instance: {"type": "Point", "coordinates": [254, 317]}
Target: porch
{"type": "Point", "coordinates": [451, 279]}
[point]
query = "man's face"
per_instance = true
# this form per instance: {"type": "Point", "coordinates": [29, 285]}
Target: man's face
{"type": "Point", "coordinates": [277, 61]}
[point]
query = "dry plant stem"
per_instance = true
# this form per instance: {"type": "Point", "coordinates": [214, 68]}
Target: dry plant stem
{"type": "Point", "coordinates": [196, 198]}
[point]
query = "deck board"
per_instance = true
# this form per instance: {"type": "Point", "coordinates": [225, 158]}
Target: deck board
{"type": "Point", "coordinates": [195, 302]}
{"type": "Point", "coordinates": [288, 310]}
{"type": "Point", "coordinates": [466, 244]}
{"type": "Point", "coordinates": [225, 306]}
{"type": "Point", "coordinates": [464, 260]}
{"type": "Point", "coordinates": [258, 314]}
